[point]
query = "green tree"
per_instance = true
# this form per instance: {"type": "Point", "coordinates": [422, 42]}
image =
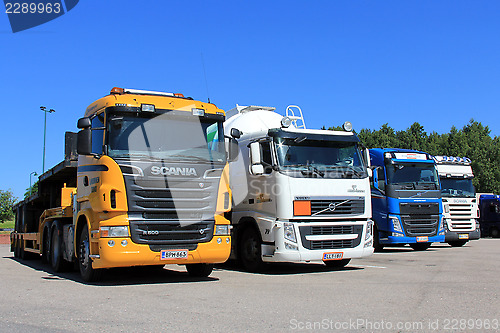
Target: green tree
{"type": "Point", "coordinates": [31, 190]}
{"type": "Point", "coordinates": [7, 201]}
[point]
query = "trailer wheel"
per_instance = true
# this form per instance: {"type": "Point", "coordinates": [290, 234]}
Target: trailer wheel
{"type": "Point", "coordinates": [56, 252]}
{"type": "Point", "coordinates": [420, 246]}
{"type": "Point", "coordinates": [16, 248]}
{"type": "Point", "coordinates": [199, 270]}
{"type": "Point", "coordinates": [250, 253]}
{"type": "Point", "coordinates": [337, 263]}
{"type": "Point", "coordinates": [494, 233]}
{"type": "Point", "coordinates": [457, 243]}
{"type": "Point", "coordinates": [46, 247]}
{"type": "Point", "coordinates": [87, 273]}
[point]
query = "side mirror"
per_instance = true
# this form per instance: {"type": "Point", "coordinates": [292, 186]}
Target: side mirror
{"type": "Point", "coordinates": [84, 123]}
{"type": "Point", "coordinates": [84, 141]}
{"type": "Point", "coordinates": [255, 157]}
{"type": "Point", "coordinates": [232, 150]}
{"type": "Point", "coordinates": [369, 172]}
{"type": "Point", "coordinates": [236, 133]}
{"type": "Point", "coordinates": [257, 169]}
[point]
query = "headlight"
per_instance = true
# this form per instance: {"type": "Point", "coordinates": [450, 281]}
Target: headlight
{"type": "Point", "coordinates": [369, 229]}
{"type": "Point", "coordinates": [441, 226]}
{"type": "Point", "coordinates": [289, 246]}
{"type": "Point", "coordinates": [289, 232]}
{"type": "Point", "coordinates": [114, 231]}
{"type": "Point", "coordinates": [395, 223]}
{"type": "Point", "coordinates": [446, 208]}
{"type": "Point", "coordinates": [222, 230]}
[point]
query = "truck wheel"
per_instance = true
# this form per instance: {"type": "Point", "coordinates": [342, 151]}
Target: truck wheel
{"type": "Point", "coordinates": [376, 240]}
{"type": "Point", "coordinates": [457, 243]}
{"type": "Point", "coordinates": [250, 253]}
{"type": "Point", "coordinates": [420, 246]}
{"type": "Point", "coordinates": [494, 233]}
{"type": "Point", "coordinates": [199, 270]}
{"type": "Point", "coordinates": [87, 273]}
{"type": "Point", "coordinates": [337, 263]}
{"type": "Point", "coordinates": [56, 252]}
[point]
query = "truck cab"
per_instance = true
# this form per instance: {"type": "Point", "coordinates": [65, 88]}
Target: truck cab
{"type": "Point", "coordinates": [406, 199]}
{"type": "Point", "coordinates": [489, 208]}
{"type": "Point", "coordinates": [300, 195]}
{"type": "Point", "coordinates": [460, 209]}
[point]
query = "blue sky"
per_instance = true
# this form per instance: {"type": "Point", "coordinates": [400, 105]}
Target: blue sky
{"type": "Point", "coordinates": [370, 62]}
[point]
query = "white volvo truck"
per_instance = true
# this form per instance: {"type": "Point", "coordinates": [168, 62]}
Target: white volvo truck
{"type": "Point", "coordinates": [460, 208]}
{"type": "Point", "coordinates": [299, 195]}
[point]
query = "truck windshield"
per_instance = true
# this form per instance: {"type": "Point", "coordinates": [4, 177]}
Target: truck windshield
{"type": "Point", "coordinates": [332, 159]}
{"type": "Point", "coordinates": [413, 176]}
{"type": "Point", "coordinates": [457, 187]}
{"type": "Point", "coordinates": [165, 137]}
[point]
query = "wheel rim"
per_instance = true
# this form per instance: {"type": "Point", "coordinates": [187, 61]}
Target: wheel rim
{"type": "Point", "coordinates": [84, 253]}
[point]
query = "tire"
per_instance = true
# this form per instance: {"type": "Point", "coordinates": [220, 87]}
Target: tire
{"type": "Point", "coordinates": [199, 270]}
{"type": "Point", "coordinates": [420, 246]}
{"type": "Point", "coordinates": [494, 233]}
{"type": "Point", "coordinates": [87, 273]}
{"type": "Point", "coordinates": [56, 258]}
{"type": "Point", "coordinates": [46, 247]}
{"type": "Point", "coordinates": [249, 251]}
{"type": "Point", "coordinates": [337, 263]}
{"type": "Point", "coordinates": [376, 240]}
{"type": "Point", "coordinates": [16, 248]}
{"type": "Point", "coordinates": [458, 243]}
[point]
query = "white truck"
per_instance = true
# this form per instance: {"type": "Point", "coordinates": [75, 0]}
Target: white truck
{"type": "Point", "coordinates": [299, 195]}
{"type": "Point", "coordinates": [460, 208]}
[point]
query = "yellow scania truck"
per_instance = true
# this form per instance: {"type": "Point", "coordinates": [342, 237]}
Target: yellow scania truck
{"type": "Point", "coordinates": [144, 182]}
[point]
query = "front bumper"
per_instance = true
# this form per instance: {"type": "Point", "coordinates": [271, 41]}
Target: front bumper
{"type": "Point", "coordinates": [410, 240]}
{"type": "Point", "coordinates": [316, 256]}
{"type": "Point", "coordinates": [453, 236]}
{"type": "Point", "coordinates": [140, 254]}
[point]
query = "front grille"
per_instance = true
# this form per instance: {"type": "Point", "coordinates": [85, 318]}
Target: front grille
{"type": "Point", "coordinates": [420, 225]}
{"type": "Point", "coordinates": [419, 208]}
{"type": "Point", "coordinates": [171, 233]}
{"type": "Point", "coordinates": [461, 217]}
{"type": "Point", "coordinates": [329, 230]}
{"type": "Point", "coordinates": [331, 244]}
{"type": "Point", "coordinates": [337, 207]}
{"type": "Point", "coordinates": [332, 230]}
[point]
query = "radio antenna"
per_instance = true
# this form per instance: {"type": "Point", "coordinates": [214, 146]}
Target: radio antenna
{"type": "Point", "coordinates": [205, 75]}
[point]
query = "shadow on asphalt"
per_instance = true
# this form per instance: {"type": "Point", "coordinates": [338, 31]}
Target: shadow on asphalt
{"type": "Point", "coordinates": [287, 268]}
{"type": "Point", "coordinates": [118, 276]}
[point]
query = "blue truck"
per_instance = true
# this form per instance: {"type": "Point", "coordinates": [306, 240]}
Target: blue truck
{"type": "Point", "coordinates": [489, 216]}
{"type": "Point", "coordinates": [406, 199]}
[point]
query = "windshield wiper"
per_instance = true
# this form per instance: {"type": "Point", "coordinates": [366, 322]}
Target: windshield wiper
{"type": "Point", "coordinates": [191, 157]}
{"type": "Point", "coordinates": [312, 169]}
{"type": "Point", "coordinates": [138, 156]}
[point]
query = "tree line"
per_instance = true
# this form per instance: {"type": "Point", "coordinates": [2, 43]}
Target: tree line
{"type": "Point", "coordinates": [474, 141]}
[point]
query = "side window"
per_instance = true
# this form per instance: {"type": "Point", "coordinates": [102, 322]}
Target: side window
{"type": "Point", "coordinates": [267, 160]}
{"type": "Point", "coordinates": [97, 134]}
{"type": "Point", "coordinates": [381, 178]}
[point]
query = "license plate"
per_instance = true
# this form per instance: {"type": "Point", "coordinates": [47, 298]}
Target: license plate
{"type": "Point", "coordinates": [422, 239]}
{"type": "Point", "coordinates": [174, 254]}
{"type": "Point", "coordinates": [463, 236]}
{"type": "Point", "coordinates": [332, 256]}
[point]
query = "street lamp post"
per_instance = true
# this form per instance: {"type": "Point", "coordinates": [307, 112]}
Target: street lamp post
{"type": "Point", "coordinates": [44, 109]}
{"type": "Point", "coordinates": [32, 174]}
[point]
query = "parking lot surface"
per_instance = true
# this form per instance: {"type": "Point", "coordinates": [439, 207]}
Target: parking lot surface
{"type": "Point", "coordinates": [443, 289]}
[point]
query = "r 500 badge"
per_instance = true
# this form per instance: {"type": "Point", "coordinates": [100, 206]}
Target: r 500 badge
{"type": "Point", "coordinates": [174, 254]}
{"type": "Point", "coordinates": [333, 256]}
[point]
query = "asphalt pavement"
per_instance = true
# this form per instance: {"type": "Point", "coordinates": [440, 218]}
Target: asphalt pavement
{"type": "Point", "coordinates": [443, 289]}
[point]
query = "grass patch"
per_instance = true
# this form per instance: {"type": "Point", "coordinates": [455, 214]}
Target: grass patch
{"type": "Point", "coordinates": [5, 225]}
